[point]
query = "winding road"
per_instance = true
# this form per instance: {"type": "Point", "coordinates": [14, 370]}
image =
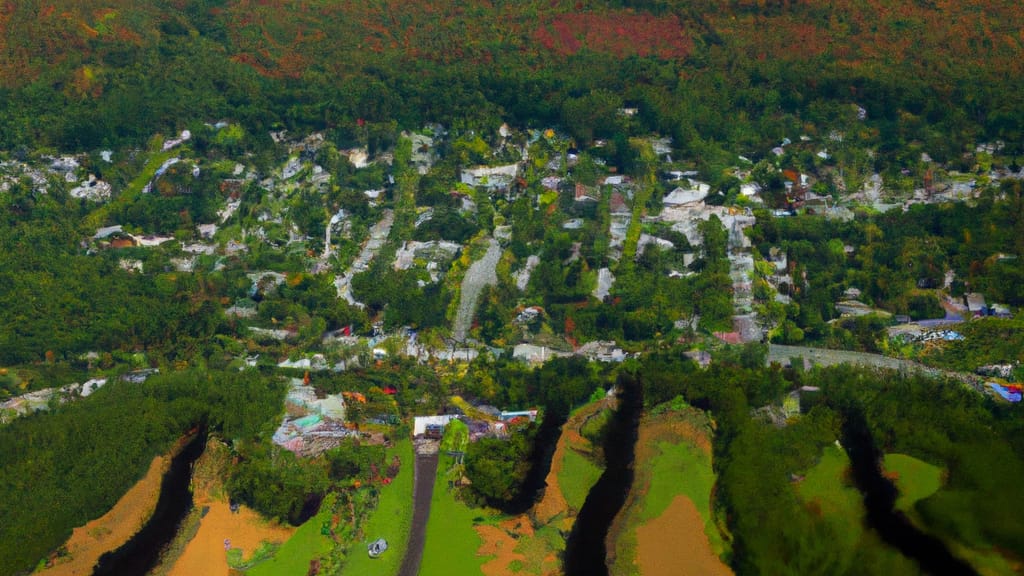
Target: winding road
{"type": "Point", "coordinates": [480, 274]}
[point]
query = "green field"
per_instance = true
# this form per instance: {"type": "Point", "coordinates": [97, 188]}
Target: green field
{"type": "Point", "coordinates": [827, 490]}
{"type": "Point", "coordinates": [577, 476]}
{"type": "Point", "coordinates": [391, 520]}
{"type": "Point", "coordinates": [682, 468]}
{"type": "Point", "coordinates": [452, 544]}
{"type": "Point", "coordinates": [675, 467]}
{"type": "Point", "coordinates": [915, 479]}
{"type": "Point", "coordinates": [307, 543]}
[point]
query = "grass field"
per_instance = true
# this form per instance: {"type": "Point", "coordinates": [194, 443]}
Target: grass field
{"type": "Point", "coordinates": [576, 477]}
{"type": "Point", "coordinates": [307, 543]}
{"type": "Point", "coordinates": [674, 466]}
{"type": "Point", "coordinates": [682, 468]}
{"type": "Point", "coordinates": [827, 490]}
{"type": "Point", "coordinates": [452, 543]}
{"type": "Point", "coordinates": [391, 520]}
{"type": "Point", "coordinates": [915, 479]}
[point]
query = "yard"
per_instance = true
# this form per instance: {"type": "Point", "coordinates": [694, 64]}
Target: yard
{"type": "Point", "coordinates": [452, 544]}
{"type": "Point", "coordinates": [391, 520]}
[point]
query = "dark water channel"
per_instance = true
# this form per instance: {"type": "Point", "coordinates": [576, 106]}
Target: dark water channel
{"type": "Point", "coordinates": [880, 497]}
{"type": "Point", "coordinates": [540, 458]}
{"type": "Point", "coordinates": [585, 550]}
{"type": "Point", "coordinates": [140, 554]}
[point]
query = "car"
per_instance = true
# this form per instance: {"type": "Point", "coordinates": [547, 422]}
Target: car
{"type": "Point", "coordinates": [377, 547]}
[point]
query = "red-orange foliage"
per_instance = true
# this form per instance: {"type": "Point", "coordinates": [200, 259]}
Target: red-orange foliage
{"type": "Point", "coordinates": [619, 33]}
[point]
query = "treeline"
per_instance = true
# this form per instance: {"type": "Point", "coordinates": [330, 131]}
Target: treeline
{"type": "Point", "coordinates": [69, 465]}
{"type": "Point", "coordinates": [708, 75]}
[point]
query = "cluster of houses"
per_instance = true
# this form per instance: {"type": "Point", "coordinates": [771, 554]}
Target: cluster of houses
{"type": "Point", "coordinates": [312, 425]}
{"type": "Point", "coordinates": [486, 422]}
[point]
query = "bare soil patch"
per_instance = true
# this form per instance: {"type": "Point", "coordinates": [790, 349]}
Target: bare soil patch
{"type": "Point", "coordinates": [674, 544]}
{"type": "Point", "coordinates": [113, 529]}
{"type": "Point", "coordinates": [206, 554]}
{"type": "Point", "coordinates": [498, 543]}
{"type": "Point", "coordinates": [553, 503]}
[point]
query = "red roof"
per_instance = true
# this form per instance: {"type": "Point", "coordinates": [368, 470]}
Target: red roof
{"type": "Point", "coordinates": [729, 337]}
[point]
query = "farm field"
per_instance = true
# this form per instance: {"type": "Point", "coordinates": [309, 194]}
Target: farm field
{"type": "Point", "coordinates": [667, 525]}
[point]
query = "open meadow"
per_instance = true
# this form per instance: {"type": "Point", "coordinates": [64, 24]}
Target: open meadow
{"type": "Point", "coordinates": [667, 525]}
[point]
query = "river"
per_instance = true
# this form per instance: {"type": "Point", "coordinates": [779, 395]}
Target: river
{"type": "Point", "coordinates": [140, 554]}
{"type": "Point", "coordinates": [585, 550]}
{"type": "Point", "coordinates": [880, 497]}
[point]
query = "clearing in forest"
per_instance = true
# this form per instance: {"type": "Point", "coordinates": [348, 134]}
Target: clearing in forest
{"type": "Point", "coordinates": [915, 479]}
{"type": "Point", "coordinates": [667, 525]}
{"type": "Point", "coordinates": [206, 553]}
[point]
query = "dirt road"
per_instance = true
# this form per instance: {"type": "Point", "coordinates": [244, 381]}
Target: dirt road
{"type": "Point", "coordinates": [423, 491]}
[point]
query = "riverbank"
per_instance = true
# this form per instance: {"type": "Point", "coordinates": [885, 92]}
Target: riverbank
{"type": "Point", "coordinates": [115, 528]}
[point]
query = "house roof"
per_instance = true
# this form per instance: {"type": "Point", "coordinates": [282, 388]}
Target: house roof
{"type": "Point", "coordinates": [729, 337]}
{"type": "Point", "coordinates": [975, 301]}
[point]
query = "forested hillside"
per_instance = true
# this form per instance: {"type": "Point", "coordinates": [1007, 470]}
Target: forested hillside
{"type": "Point", "coordinates": [84, 73]}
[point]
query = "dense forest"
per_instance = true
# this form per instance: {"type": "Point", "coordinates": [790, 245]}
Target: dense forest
{"type": "Point", "coordinates": [83, 74]}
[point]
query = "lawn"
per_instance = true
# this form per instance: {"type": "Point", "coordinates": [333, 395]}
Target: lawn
{"type": "Point", "coordinates": [576, 477]}
{"type": "Point", "coordinates": [452, 543]}
{"type": "Point", "coordinates": [826, 488]}
{"type": "Point", "coordinates": [391, 520]}
{"type": "Point", "coordinates": [915, 479]}
{"type": "Point", "coordinates": [307, 543]}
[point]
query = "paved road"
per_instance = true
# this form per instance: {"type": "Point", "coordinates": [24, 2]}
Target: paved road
{"type": "Point", "coordinates": [426, 471]}
{"type": "Point", "coordinates": [824, 357]}
{"type": "Point", "coordinates": [378, 236]}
